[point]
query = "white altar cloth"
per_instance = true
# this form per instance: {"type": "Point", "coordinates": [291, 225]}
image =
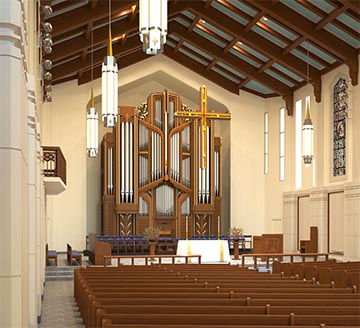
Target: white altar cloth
{"type": "Point", "coordinates": [210, 250]}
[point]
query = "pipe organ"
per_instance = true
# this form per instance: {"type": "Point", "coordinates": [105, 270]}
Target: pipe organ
{"type": "Point", "coordinates": [152, 172]}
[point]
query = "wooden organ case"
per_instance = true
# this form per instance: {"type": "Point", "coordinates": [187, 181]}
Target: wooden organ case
{"type": "Point", "coordinates": [151, 174]}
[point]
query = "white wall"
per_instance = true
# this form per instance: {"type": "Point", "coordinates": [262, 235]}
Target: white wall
{"type": "Point", "coordinates": [324, 183]}
{"type": "Point", "coordinates": [76, 211]}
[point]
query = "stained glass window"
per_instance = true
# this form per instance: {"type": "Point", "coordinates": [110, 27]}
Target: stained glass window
{"type": "Point", "coordinates": [340, 105]}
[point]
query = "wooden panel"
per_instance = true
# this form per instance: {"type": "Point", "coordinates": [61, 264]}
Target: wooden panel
{"type": "Point", "coordinates": [310, 246]}
{"type": "Point", "coordinates": [108, 227]}
{"type": "Point", "coordinates": [268, 243]}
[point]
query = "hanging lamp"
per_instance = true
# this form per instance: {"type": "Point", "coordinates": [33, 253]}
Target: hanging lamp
{"type": "Point", "coordinates": [109, 82]}
{"type": "Point", "coordinates": [92, 129]}
{"type": "Point", "coordinates": [153, 25]}
{"type": "Point", "coordinates": [92, 116]}
{"type": "Point", "coordinates": [308, 129]}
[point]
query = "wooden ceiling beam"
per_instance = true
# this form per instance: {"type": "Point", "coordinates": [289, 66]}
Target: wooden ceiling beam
{"type": "Point", "coordinates": [77, 64]}
{"type": "Point", "coordinates": [257, 42]}
{"type": "Point", "coordinates": [77, 44]}
{"type": "Point", "coordinates": [305, 27]}
{"type": "Point", "coordinates": [201, 70]}
{"type": "Point", "coordinates": [100, 36]}
{"type": "Point", "coordinates": [231, 60]}
{"type": "Point", "coordinates": [257, 17]}
{"type": "Point", "coordinates": [92, 4]}
{"type": "Point", "coordinates": [123, 62]}
{"type": "Point", "coordinates": [83, 15]}
{"type": "Point", "coordinates": [352, 4]}
{"type": "Point", "coordinates": [330, 17]}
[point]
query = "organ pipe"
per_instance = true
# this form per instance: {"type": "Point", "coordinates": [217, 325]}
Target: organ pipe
{"type": "Point", "coordinates": [207, 183]}
{"type": "Point", "coordinates": [131, 175]}
{"type": "Point", "coordinates": [122, 190]}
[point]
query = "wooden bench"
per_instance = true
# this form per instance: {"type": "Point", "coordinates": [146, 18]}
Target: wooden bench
{"type": "Point", "coordinates": [50, 255]}
{"type": "Point", "coordinates": [73, 255]}
{"type": "Point", "coordinates": [157, 291]}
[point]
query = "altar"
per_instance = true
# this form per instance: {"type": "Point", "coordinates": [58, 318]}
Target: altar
{"type": "Point", "coordinates": [210, 250]}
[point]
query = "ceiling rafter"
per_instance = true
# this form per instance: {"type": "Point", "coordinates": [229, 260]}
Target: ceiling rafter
{"type": "Point", "coordinates": [324, 39]}
{"type": "Point", "coordinates": [83, 15]}
{"type": "Point", "coordinates": [330, 17]}
{"type": "Point", "coordinates": [260, 44]}
{"type": "Point", "coordinates": [77, 44]}
{"type": "Point", "coordinates": [305, 27]}
{"type": "Point", "coordinates": [201, 70]}
{"type": "Point", "coordinates": [122, 62]}
{"type": "Point", "coordinates": [98, 55]}
{"type": "Point", "coordinates": [244, 51]}
{"type": "Point", "coordinates": [231, 60]}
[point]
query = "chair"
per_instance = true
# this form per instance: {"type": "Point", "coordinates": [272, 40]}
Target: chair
{"type": "Point", "coordinates": [50, 255]}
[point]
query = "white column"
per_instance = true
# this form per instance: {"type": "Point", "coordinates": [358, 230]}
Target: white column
{"type": "Point", "coordinates": [41, 238]}
{"type": "Point", "coordinates": [319, 216]}
{"type": "Point", "coordinates": [352, 222]}
{"type": "Point", "coordinates": [32, 227]}
{"type": "Point", "coordinates": [13, 168]}
{"type": "Point", "coordinates": [289, 222]}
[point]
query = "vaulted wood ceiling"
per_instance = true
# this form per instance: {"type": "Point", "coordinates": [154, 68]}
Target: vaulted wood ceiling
{"type": "Point", "coordinates": [266, 47]}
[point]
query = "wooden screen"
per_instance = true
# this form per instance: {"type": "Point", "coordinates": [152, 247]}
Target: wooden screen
{"type": "Point", "coordinates": [151, 171]}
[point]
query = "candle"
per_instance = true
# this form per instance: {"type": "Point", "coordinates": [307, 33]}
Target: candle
{"type": "Point", "coordinates": [187, 227]}
{"type": "Point", "coordinates": [218, 227]}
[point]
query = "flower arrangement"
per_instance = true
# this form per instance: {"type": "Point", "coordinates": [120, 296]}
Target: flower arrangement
{"type": "Point", "coordinates": [152, 232]}
{"type": "Point", "coordinates": [236, 232]}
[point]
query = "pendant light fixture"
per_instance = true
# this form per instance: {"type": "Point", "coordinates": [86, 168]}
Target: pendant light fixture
{"type": "Point", "coordinates": [92, 116]}
{"type": "Point", "coordinates": [153, 25]}
{"type": "Point", "coordinates": [109, 82]}
{"type": "Point", "coordinates": [308, 128]}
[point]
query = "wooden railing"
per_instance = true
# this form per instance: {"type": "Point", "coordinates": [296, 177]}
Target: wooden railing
{"type": "Point", "coordinates": [280, 256]}
{"type": "Point", "coordinates": [148, 258]}
{"type": "Point", "coordinates": [54, 163]}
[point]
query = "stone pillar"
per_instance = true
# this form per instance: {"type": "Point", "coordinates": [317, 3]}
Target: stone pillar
{"type": "Point", "coordinates": [289, 222]}
{"type": "Point", "coordinates": [352, 222]}
{"type": "Point", "coordinates": [13, 167]}
{"type": "Point", "coordinates": [32, 213]}
{"type": "Point", "coordinates": [40, 217]}
{"type": "Point", "coordinates": [319, 216]}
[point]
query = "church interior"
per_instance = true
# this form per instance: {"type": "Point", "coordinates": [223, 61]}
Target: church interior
{"type": "Point", "coordinates": [226, 133]}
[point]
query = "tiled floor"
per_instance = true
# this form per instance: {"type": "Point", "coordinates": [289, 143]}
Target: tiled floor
{"type": "Point", "coordinates": [59, 309]}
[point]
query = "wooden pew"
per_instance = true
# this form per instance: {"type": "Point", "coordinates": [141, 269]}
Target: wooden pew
{"type": "Point", "coordinates": [107, 323]}
{"type": "Point", "coordinates": [50, 255]}
{"type": "Point", "coordinates": [228, 319]}
{"type": "Point", "coordinates": [71, 254]}
{"type": "Point", "coordinates": [199, 309]}
{"type": "Point", "coordinates": [115, 289]}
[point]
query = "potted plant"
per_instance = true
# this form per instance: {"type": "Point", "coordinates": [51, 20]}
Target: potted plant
{"type": "Point", "coordinates": [236, 233]}
{"type": "Point", "coordinates": [152, 233]}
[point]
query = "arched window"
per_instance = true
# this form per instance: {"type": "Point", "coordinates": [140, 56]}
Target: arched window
{"type": "Point", "coordinates": [340, 105]}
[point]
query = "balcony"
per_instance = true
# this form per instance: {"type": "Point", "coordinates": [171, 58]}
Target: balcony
{"type": "Point", "coordinates": [54, 169]}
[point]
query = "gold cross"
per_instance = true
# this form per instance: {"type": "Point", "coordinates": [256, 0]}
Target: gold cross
{"type": "Point", "coordinates": [155, 41]}
{"type": "Point", "coordinates": [204, 115]}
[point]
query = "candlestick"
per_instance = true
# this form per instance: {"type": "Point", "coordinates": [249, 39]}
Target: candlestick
{"type": "Point", "coordinates": [218, 227]}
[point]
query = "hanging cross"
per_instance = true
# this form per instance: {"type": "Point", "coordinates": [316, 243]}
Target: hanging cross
{"type": "Point", "coordinates": [204, 115]}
